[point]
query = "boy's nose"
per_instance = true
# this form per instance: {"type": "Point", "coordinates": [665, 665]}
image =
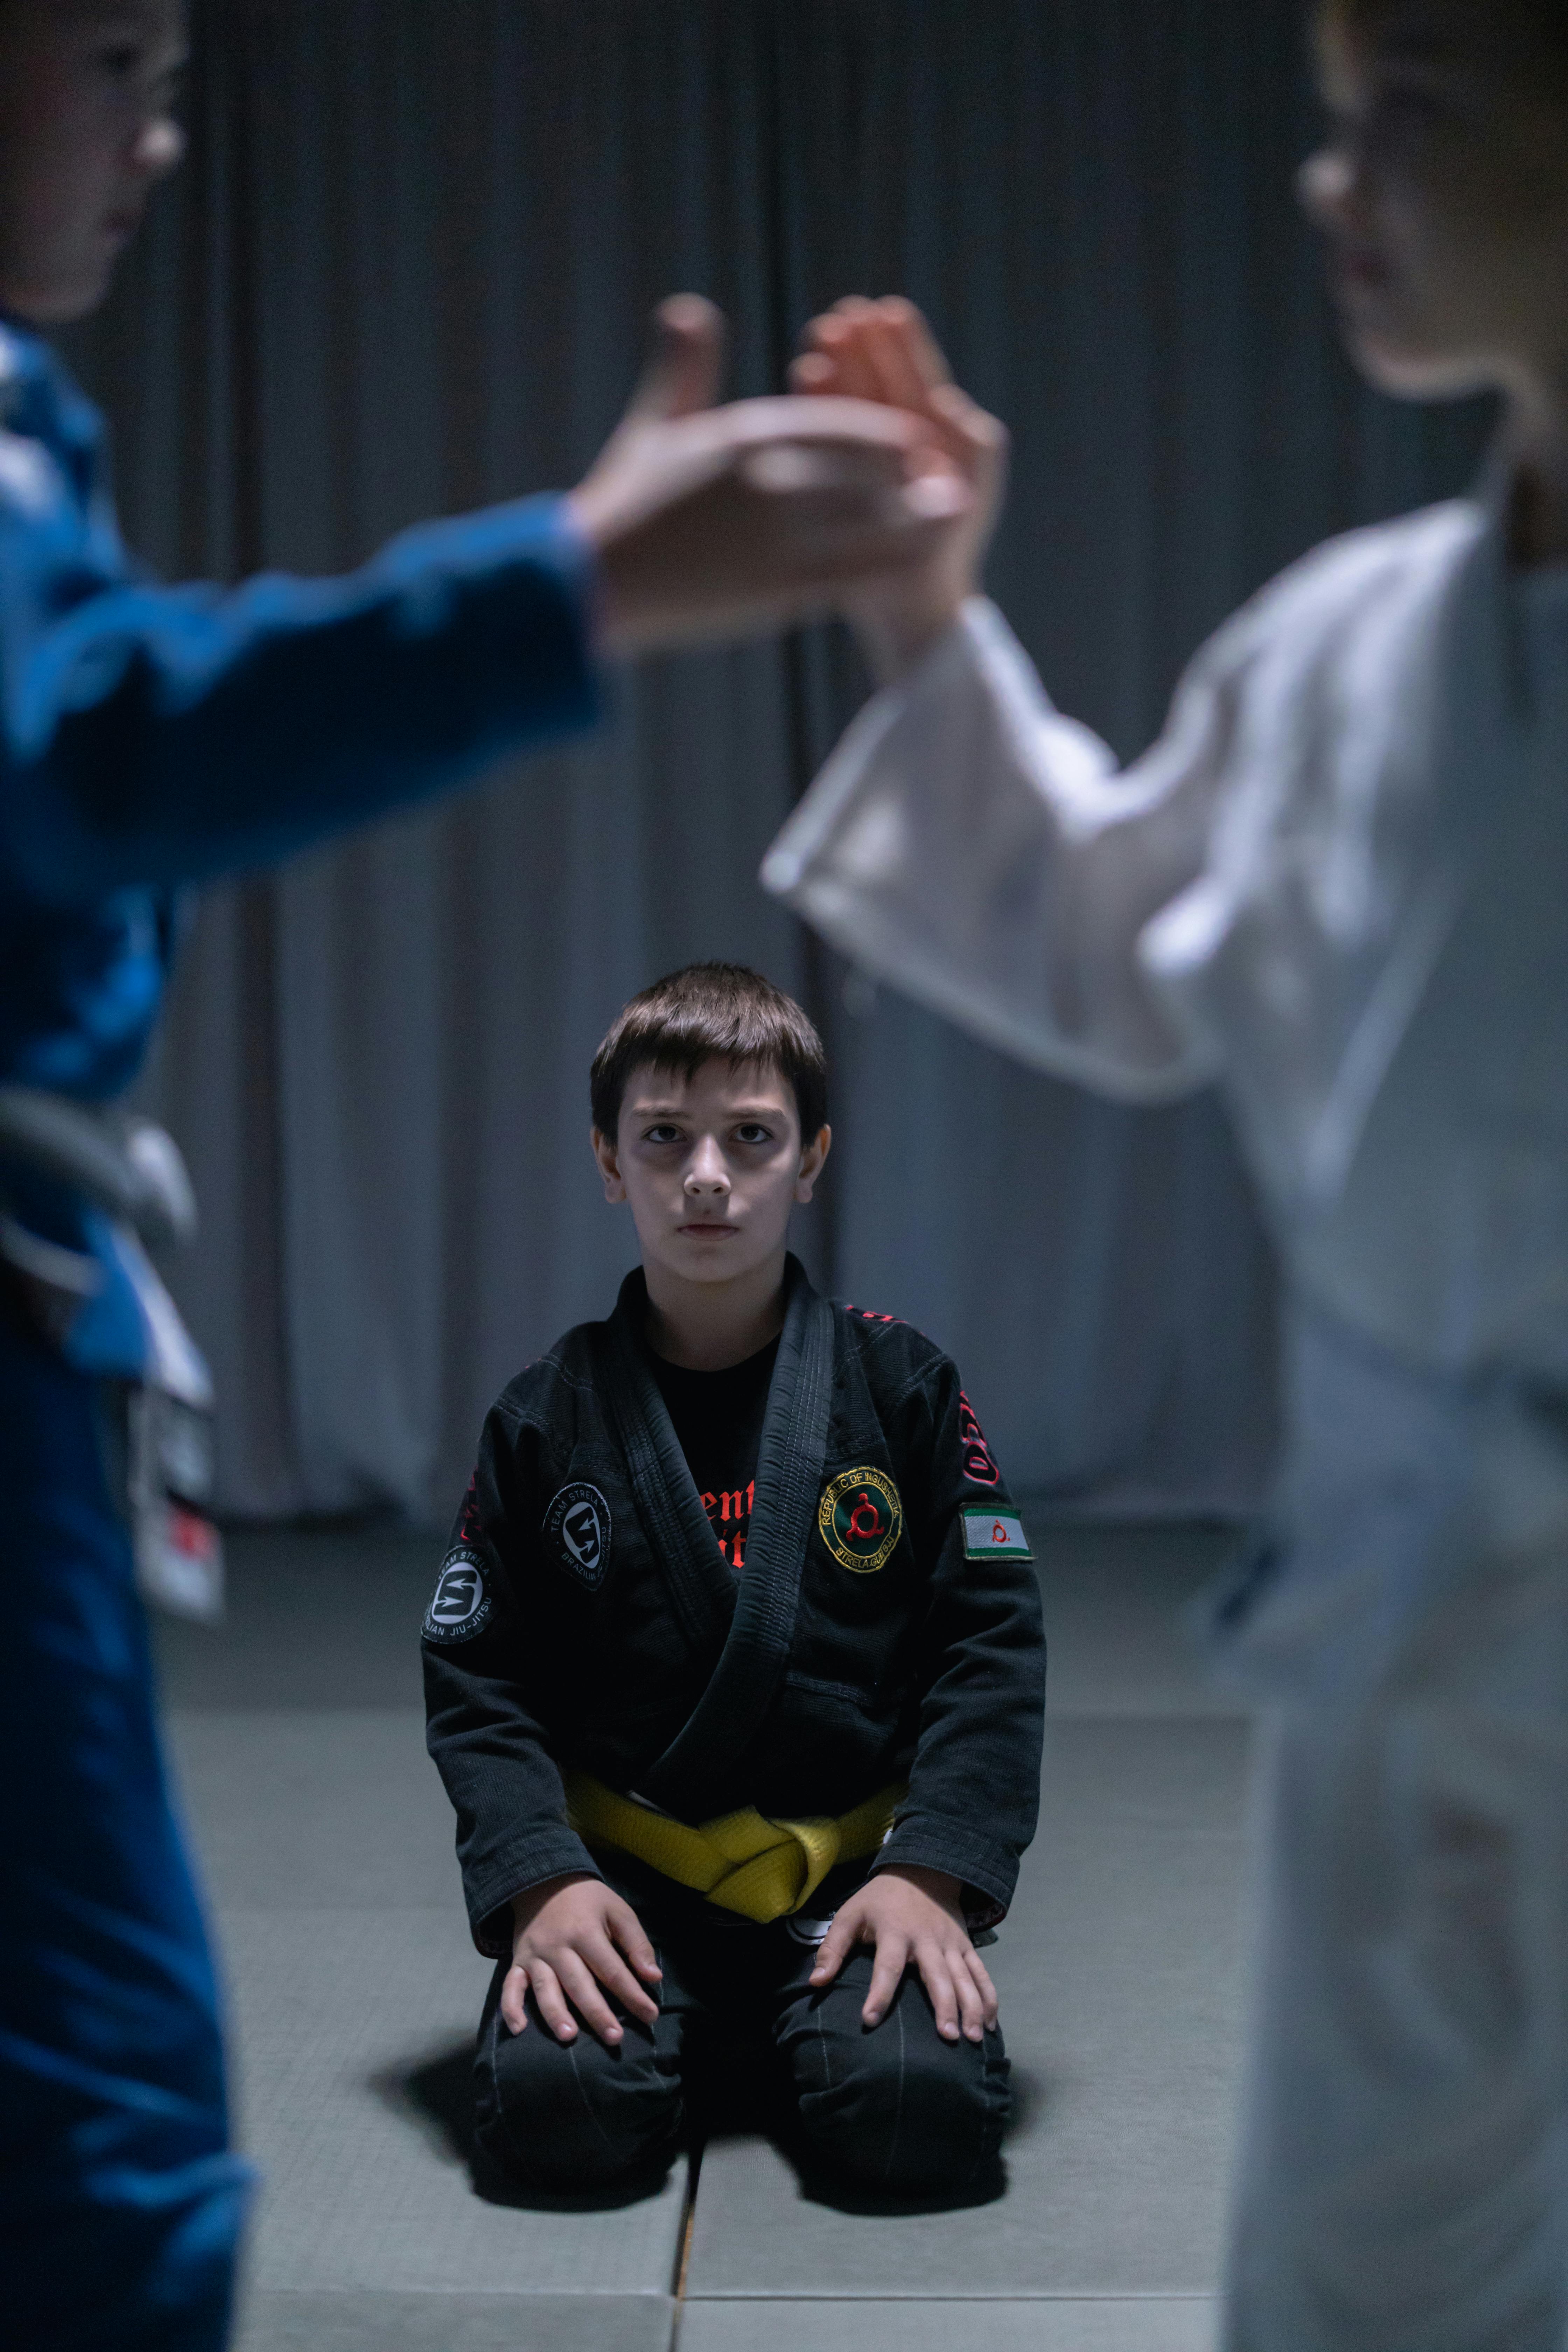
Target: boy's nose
{"type": "Point", "coordinates": [1325, 186]}
{"type": "Point", "coordinates": [708, 1173]}
{"type": "Point", "coordinates": [160, 149]}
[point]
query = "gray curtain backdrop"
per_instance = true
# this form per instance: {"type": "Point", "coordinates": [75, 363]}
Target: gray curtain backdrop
{"type": "Point", "coordinates": [407, 270]}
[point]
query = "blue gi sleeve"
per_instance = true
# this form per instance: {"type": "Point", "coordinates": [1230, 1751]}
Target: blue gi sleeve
{"type": "Point", "coordinates": [153, 736]}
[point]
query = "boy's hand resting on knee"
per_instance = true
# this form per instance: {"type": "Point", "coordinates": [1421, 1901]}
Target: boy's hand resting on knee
{"type": "Point", "coordinates": [912, 1918]}
{"type": "Point", "coordinates": [569, 1936]}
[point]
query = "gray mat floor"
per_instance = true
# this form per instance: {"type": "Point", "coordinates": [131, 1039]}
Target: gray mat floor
{"type": "Point", "coordinates": [326, 1842]}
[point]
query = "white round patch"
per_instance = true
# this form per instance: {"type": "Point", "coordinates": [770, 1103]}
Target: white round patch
{"type": "Point", "coordinates": [460, 1605]}
{"type": "Point", "coordinates": [577, 1527]}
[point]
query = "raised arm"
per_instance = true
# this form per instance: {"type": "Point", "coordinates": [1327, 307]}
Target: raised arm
{"type": "Point", "coordinates": [150, 736]}
{"type": "Point", "coordinates": [966, 841]}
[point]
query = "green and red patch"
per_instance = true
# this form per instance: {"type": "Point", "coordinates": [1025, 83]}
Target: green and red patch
{"type": "Point", "coordinates": [860, 1519]}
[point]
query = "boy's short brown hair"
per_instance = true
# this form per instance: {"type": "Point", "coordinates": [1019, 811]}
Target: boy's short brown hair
{"type": "Point", "coordinates": [705, 1013]}
{"type": "Point", "coordinates": [1544, 23]}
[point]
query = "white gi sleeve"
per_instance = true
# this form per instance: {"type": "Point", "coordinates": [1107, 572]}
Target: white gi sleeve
{"type": "Point", "coordinates": [974, 847]}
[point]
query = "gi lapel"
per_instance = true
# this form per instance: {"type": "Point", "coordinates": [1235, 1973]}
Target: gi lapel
{"type": "Point", "coordinates": [760, 1617]}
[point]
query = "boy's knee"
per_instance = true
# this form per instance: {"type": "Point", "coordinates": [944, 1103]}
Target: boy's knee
{"type": "Point", "coordinates": [569, 2116]}
{"type": "Point", "coordinates": [905, 2111]}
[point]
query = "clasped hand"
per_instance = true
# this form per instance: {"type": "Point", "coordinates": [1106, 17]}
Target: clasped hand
{"type": "Point", "coordinates": [575, 1941]}
{"type": "Point", "coordinates": [712, 522]}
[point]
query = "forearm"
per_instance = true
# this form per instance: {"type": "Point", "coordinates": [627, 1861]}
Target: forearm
{"type": "Point", "coordinates": [537, 1858]}
{"type": "Point", "coordinates": [510, 1839]}
{"type": "Point", "coordinates": [203, 733]}
{"type": "Point", "coordinates": [496, 1756]}
{"type": "Point", "coordinates": [974, 1778]}
{"type": "Point", "coordinates": [975, 847]}
{"type": "Point", "coordinates": [965, 1850]}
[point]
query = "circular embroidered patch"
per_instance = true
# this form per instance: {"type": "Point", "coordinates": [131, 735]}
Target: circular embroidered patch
{"type": "Point", "coordinates": [860, 1519]}
{"type": "Point", "coordinates": [577, 1524]}
{"type": "Point", "coordinates": [460, 1605]}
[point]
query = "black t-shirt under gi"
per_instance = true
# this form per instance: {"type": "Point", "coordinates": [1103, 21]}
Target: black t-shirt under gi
{"type": "Point", "coordinates": [718, 1417]}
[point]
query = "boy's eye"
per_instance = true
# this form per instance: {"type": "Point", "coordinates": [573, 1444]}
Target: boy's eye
{"type": "Point", "coordinates": [132, 63]}
{"type": "Point", "coordinates": [661, 1132]}
{"type": "Point", "coordinates": [122, 60]}
{"type": "Point", "coordinates": [752, 1130]}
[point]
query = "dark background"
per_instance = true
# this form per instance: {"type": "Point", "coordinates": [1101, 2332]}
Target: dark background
{"type": "Point", "coordinates": [407, 270]}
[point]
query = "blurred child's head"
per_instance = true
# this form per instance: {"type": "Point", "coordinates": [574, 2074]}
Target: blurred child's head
{"type": "Point", "coordinates": [709, 1097]}
{"type": "Point", "coordinates": [86, 134]}
{"type": "Point", "coordinates": [1443, 189]}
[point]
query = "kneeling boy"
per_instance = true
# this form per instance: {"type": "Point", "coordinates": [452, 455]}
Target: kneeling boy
{"type": "Point", "coordinates": [734, 1673]}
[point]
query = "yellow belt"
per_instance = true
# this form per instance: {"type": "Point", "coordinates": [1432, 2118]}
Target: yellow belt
{"type": "Point", "coordinates": [748, 1864]}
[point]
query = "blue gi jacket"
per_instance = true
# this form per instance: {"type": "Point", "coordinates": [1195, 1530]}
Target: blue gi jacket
{"type": "Point", "coordinates": [151, 736]}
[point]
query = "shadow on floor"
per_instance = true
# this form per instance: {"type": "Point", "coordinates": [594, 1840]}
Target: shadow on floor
{"type": "Point", "coordinates": [734, 2092]}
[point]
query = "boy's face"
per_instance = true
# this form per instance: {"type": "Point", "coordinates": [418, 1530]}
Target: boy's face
{"type": "Point", "coordinates": [711, 1165]}
{"type": "Point", "coordinates": [86, 134]}
{"type": "Point", "coordinates": [1443, 190]}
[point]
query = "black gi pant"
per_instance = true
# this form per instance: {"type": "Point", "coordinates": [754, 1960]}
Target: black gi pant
{"type": "Point", "coordinates": [896, 2110]}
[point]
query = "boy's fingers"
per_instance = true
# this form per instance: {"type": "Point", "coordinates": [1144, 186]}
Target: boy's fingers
{"type": "Point", "coordinates": [814, 372]}
{"type": "Point", "coordinates": [550, 2002]}
{"type": "Point", "coordinates": [514, 1998]}
{"type": "Point", "coordinates": [834, 1948]}
{"type": "Point", "coordinates": [971, 2005]}
{"type": "Point", "coordinates": [581, 1988]}
{"type": "Point", "coordinates": [684, 371]}
{"type": "Point", "coordinates": [617, 1978]}
{"type": "Point", "coordinates": [931, 1961]}
{"type": "Point", "coordinates": [823, 526]}
{"type": "Point", "coordinates": [843, 339]}
{"type": "Point", "coordinates": [925, 354]}
{"type": "Point", "coordinates": [892, 1957]}
{"type": "Point", "coordinates": [892, 362]}
{"type": "Point", "coordinates": [985, 1986]}
{"type": "Point", "coordinates": [974, 427]}
{"type": "Point", "coordinates": [627, 1930]}
{"type": "Point", "coordinates": [863, 429]}
{"type": "Point", "coordinates": [963, 429]}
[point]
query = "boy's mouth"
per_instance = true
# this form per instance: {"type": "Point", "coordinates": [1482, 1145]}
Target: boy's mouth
{"type": "Point", "coordinates": [709, 1226]}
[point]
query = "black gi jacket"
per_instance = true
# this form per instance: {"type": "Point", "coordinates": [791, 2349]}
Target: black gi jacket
{"type": "Point", "coordinates": [584, 1617]}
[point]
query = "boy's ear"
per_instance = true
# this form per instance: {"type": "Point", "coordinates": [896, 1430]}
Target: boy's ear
{"type": "Point", "coordinates": [812, 1156]}
{"type": "Point", "coordinates": [604, 1146]}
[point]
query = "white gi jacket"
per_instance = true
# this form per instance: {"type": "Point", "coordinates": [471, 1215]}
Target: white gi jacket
{"type": "Point", "coordinates": [1338, 884]}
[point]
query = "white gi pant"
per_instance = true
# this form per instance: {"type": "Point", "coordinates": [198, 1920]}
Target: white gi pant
{"type": "Point", "coordinates": [1403, 2181]}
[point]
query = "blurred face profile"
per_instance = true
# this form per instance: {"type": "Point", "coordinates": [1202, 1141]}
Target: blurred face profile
{"type": "Point", "coordinates": [86, 89]}
{"type": "Point", "coordinates": [1442, 188]}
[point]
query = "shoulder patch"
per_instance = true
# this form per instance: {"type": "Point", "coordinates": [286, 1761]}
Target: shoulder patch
{"type": "Point", "coordinates": [986, 1533]}
{"type": "Point", "coordinates": [577, 1529]}
{"type": "Point", "coordinates": [461, 1604]}
{"type": "Point", "coordinates": [979, 1462]}
{"type": "Point", "coordinates": [860, 1519]}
